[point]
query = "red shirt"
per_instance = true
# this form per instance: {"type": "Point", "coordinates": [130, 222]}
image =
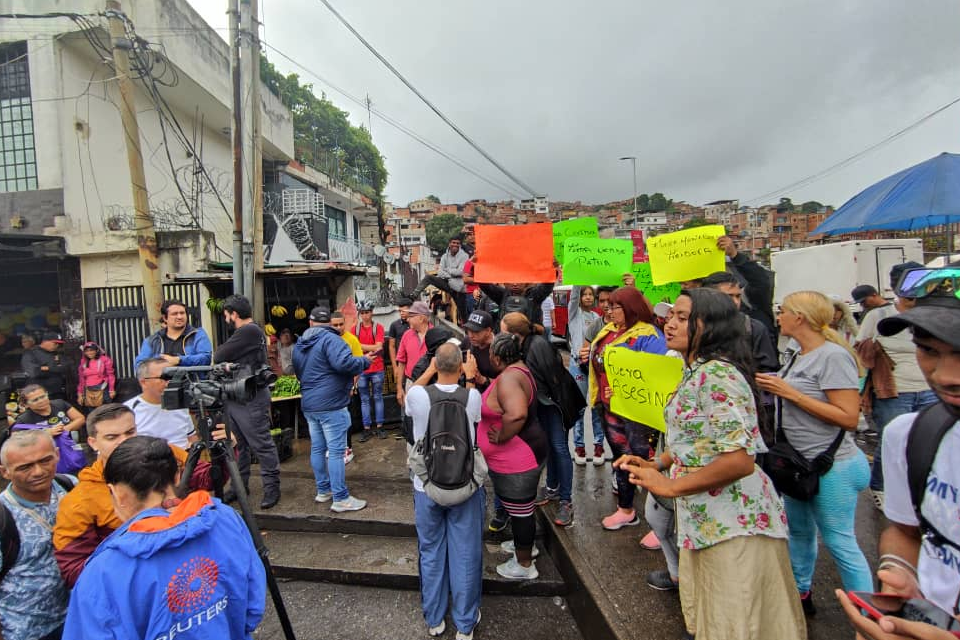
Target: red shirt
{"type": "Point", "coordinates": [468, 271]}
{"type": "Point", "coordinates": [411, 349]}
{"type": "Point", "coordinates": [366, 336]}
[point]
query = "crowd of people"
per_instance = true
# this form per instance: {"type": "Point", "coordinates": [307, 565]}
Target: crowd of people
{"type": "Point", "coordinates": [758, 458]}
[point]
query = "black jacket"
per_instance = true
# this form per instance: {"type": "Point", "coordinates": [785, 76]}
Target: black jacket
{"type": "Point", "coordinates": [536, 294]}
{"type": "Point", "coordinates": [545, 365]}
{"type": "Point", "coordinates": [54, 379]}
{"type": "Point", "coordinates": [765, 356]}
{"type": "Point", "coordinates": [759, 290]}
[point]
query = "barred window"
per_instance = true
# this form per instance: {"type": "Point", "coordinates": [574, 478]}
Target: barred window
{"type": "Point", "coordinates": [18, 163]}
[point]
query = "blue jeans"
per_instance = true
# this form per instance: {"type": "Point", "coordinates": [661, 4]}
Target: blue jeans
{"type": "Point", "coordinates": [559, 464]}
{"type": "Point", "coordinates": [885, 410]}
{"type": "Point", "coordinates": [328, 432]}
{"type": "Point", "coordinates": [450, 541]}
{"type": "Point", "coordinates": [366, 383]}
{"type": "Point", "coordinates": [833, 512]}
{"type": "Point", "coordinates": [581, 379]}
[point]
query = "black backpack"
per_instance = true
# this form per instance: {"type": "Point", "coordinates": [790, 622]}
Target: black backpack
{"type": "Point", "coordinates": [10, 535]}
{"type": "Point", "coordinates": [521, 304]}
{"type": "Point", "coordinates": [923, 442]}
{"type": "Point", "coordinates": [448, 445]}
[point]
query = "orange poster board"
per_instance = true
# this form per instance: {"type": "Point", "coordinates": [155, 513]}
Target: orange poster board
{"type": "Point", "coordinates": [514, 253]}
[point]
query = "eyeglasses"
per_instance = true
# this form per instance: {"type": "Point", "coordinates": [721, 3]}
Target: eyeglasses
{"type": "Point", "coordinates": [37, 399]}
{"type": "Point", "coordinates": [921, 283]}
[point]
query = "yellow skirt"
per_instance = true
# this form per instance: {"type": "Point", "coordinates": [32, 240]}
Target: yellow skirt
{"type": "Point", "coordinates": [741, 589]}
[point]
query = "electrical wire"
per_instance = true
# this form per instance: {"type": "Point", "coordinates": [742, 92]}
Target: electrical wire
{"type": "Point", "coordinates": [851, 159]}
{"type": "Point", "coordinates": [396, 124]}
{"type": "Point", "coordinates": [433, 108]}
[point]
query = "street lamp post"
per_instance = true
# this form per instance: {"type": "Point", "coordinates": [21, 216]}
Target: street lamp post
{"type": "Point", "coordinates": [633, 159]}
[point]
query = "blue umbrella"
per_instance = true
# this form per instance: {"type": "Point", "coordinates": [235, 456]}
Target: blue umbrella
{"type": "Point", "coordinates": [925, 195]}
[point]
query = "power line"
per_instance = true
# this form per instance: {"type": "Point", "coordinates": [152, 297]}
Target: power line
{"type": "Point", "coordinates": [395, 123]}
{"type": "Point", "coordinates": [433, 108]}
{"type": "Point", "coordinates": [832, 168]}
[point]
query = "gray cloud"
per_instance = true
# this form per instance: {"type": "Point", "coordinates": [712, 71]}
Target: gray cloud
{"type": "Point", "coordinates": [719, 100]}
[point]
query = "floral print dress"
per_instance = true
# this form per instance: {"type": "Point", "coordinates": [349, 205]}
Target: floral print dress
{"type": "Point", "coordinates": [713, 412]}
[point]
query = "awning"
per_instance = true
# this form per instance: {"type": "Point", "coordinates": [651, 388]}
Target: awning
{"type": "Point", "coordinates": [223, 271]}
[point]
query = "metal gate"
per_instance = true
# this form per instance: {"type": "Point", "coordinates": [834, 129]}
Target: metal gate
{"type": "Point", "coordinates": [117, 320]}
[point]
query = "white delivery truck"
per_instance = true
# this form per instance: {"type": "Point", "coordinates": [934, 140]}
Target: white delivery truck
{"type": "Point", "coordinates": [836, 268]}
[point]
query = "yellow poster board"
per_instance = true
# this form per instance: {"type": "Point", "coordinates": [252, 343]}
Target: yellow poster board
{"type": "Point", "coordinates": [642, 384]}
{"type": "Point", "coordinates": [685, 255]}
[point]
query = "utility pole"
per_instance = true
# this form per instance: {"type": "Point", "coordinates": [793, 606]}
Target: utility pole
{"type": "Point", "coordinates": [236, 135]}
{"type": "Point", "coordinates": [252, 152]}
{"type": "Point", "coordinates": [146, 235]}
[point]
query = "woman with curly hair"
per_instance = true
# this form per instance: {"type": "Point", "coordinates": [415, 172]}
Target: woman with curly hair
{"type": "Point", "coordinates": [735, 578]}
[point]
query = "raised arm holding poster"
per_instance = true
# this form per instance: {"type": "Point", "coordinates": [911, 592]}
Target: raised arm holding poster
{"type": "Point", "coordinates": [685, 255]}
{"type": "Point", "coordinates": [654, 293]}
{"type": "Point", "coordinates": [573, 228]}
{"type": "Point", "coordinates": [514, 253]}
{"type": "Point", "coordinates": [596, 261]}
{"type": "Point", "coordinates": [642, 384]}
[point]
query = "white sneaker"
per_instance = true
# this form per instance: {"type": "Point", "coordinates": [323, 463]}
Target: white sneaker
{"type": "Point", "coordinates": [507, 545]}
{"type": "Point", "coordinates": [469, 636]}
{"type": "Point", "coordinates": [513, 570]}
{"type": "Point", "coordinates": [348, 456]}
{"type": "Point", "coordinates": [877, 499]}
{"type": "Point", "coordinates": [437, 630]}
{"type": "Point", "coordinates": [348, 504]}
{"type": "Point", "coordinates": [323, 496]}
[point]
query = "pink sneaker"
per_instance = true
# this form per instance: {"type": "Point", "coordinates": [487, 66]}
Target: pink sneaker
{"type": "Point", "coordinates": [650, 541]}
{"type": "Point", "coordinates": [619, 519]}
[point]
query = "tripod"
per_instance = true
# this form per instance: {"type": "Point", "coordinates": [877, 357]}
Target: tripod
{"type": "Point", "coordinates": [222, 451]}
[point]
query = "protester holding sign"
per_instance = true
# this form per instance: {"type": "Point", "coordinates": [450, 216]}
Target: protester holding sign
{"type": "Point", "coordinates": [580, 316]}
{"type": "Point", "coordinates": [735, 577]}
{"type": "Point", "coordinates": [631, 327]}
{"type": "Point", "coordinates": [686, 255]}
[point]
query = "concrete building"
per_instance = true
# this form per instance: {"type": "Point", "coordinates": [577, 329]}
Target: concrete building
{"type": "Point", "coordinates": [66, 208]}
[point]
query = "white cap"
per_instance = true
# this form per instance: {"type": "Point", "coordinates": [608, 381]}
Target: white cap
{"type": "Point", "coordinates": [662, 309]}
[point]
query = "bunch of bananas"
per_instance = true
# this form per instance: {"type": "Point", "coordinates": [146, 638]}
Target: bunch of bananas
{"type": "Point", "coordinates": [215, 305]}
{"type": "Point", "coordinates": [278, 311]}
{"type": "Point", "coordinates": [300, 313]}
{"type": "Point", "coordinates": [269, 329]}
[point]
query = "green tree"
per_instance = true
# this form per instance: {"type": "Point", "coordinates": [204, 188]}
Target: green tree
{"type": "Point", "coordinates": [786, 205]}
{"type": "Point", "coordinates": [695, 222]}
{"type": "Point", "coordinates": [433, 198]}
{"type": "Point", "coordinates": [658, 202]}
{"type": "Point", "coordinates": [811, 206]}
{"type": "Point", "coordinates": [441, 228]}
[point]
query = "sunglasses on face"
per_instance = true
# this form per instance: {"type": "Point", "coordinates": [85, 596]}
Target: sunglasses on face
{"type": "Point", "coordinates": [920, 283]}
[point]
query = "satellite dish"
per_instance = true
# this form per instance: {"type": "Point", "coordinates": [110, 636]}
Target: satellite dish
{"type": "Point", "coordinates": [405, 258]}
{"type": "Point", "coordinates": [379, 250]}
{"type": "Point", "coordinates": [389, 258]}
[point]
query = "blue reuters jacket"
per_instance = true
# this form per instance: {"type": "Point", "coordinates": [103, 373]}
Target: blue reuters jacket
{"type": "Point", "coordinates": [325, 367]}
{"type": "Point", "coordinates": [189, 573]}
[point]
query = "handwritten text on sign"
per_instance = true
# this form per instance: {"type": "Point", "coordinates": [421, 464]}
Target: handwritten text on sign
{"type": "Point", "coordinates": [573, 228]}
{"type": "Point", "coordinates": [654, 293]}
{"type": "Point", "coordinates": [685, 255]}
{"type": "Point", "coordinates": [642, 384]}
{"type": "Point", "coordinates": [596, 261]}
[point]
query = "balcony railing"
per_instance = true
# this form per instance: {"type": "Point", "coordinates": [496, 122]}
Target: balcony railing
{"type": "Point", "coordinates": [344, 249]}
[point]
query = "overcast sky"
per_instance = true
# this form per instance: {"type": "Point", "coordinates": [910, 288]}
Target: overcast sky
{"type": "Point", "coordinates": [719, 100]}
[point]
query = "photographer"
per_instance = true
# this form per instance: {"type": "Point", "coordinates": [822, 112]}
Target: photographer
{"type": "Point", "coordinates": [250, 421]}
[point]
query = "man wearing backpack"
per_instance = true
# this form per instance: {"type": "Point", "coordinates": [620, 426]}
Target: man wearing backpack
{"type": "Point", "coordinates": [450, 538]}
{"type": "Point", "coordinates": [33, 597]}
{"type": "Point", "coordinates": [523, 298]}
{"type": "Point", "coordinates": [920, 550]}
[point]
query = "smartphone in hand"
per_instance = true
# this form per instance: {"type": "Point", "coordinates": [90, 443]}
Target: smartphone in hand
{"type": "Point", "coordinates": [877, 605]}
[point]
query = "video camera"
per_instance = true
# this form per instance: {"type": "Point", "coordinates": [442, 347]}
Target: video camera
{"type": "Point", "coordinates": [189, 389]}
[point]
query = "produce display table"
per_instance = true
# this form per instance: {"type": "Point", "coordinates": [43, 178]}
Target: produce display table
{"type": "Point", "coordinates": [296, 413]}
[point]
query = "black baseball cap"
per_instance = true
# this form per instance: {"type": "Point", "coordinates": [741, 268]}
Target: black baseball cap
{"type": "Point", "coordinates": [52, 335]}
{"type": "Point", "coordinates": [863, 291]}
{"type": "Point", "coordinates": [478, 321]}
{"type": "Point", "coordinates": [938, 315]}
{"type": "Point", "coordinates": [320, 314]}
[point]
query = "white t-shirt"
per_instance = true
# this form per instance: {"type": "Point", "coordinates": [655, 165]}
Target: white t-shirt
{"type": "Point", "coordinates": [938, 567]}
{"type": "Point", "coordinates": [547, 308]}
{"type": "Point", "coordinates": [900, 348]}
{"type": "Point", "coordinates": [418, 408]}
{"type": "Point", "coordinates": [153, 420]}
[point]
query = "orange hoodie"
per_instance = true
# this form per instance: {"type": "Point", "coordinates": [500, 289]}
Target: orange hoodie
{"type": "Point", "coordinates": [86, 516]}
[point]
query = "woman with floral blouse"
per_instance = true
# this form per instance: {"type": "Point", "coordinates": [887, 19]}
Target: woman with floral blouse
{"type": "Point", "coordinates": [735, 576]}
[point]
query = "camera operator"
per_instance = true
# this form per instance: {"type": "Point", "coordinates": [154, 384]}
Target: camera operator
{"type": "Point", "coordinates": [250, 421]}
